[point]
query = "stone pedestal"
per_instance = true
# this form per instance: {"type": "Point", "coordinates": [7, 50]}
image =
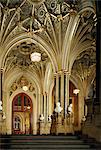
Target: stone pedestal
{"type": "Point", "coordinates": [89, 103]}
{"type": "Point", "coordinates": [68, 125]}
{"type": "Point", "coordinates": [42, 127]}
{"type": "Point", "coordinates": [47, 128]}
{"type": "Point", "coordinates": [59, 127]}
{"type": "Point", "coordinates": [92, 126]}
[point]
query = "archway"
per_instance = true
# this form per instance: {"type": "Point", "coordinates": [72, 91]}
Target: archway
{"type": "Point", "coordinates": [22, 114]}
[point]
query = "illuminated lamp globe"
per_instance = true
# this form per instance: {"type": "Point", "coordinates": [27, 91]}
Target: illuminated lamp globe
{"type": "Point", "coordinates": [76, 91]}
{"type": "Point", "coordinates": [25, 88]}
{"type": "Point", "coordinates": [28, 107]}
{"type": "Point", "coordinates": [35, 57]}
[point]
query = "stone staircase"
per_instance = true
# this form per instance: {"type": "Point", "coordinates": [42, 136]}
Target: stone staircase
{"type": "Point", "coordinates": [45, 142]}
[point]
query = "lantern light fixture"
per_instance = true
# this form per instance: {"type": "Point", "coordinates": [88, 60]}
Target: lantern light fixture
{"type": "Point", "coordinates": [76, 91]}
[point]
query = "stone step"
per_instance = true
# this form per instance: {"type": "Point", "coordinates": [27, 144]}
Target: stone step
{"type": "Point", "coordinates": [46, 141]}
{"type": "Point", "coordinates": [51, 145]}
{"type": "Point", "coordinates": [38, 137]}
{"type": "Point", "coordinates": [45, 148]}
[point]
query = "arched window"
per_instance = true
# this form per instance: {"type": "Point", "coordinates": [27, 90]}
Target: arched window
{"type": "Point", "coordinates": [21, 103]}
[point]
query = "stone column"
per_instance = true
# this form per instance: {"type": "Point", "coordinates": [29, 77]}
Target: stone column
{"type": "Point", "coordinates": [62, 100]}
{"type": "Point", "coordinates": [57, 88]}
{"type": "Point", "coordinates": [1, 113]}
{"type": "Point", "coordinates": [1, 74]}
{"type": "Point", "coordinates": [41, 103]}
{"type": "Point", "coordinates": [45, 106]}
{"type": "Point", "coordinates": [67, 91]}
{"type": "Point", "coordinates": [62, 90]}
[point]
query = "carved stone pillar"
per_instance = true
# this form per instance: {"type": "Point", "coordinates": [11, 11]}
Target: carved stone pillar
{"type": "Point", "coordinates": [62, 90]}
{"type": "Point", "coordinates": [40, 101]}
{"type": "Point", "coordinates": [1, 113]}
{"type": "Point", "coordinates": [42, 127]}
{"type": "Point", "coordinates": [46, 106]}
{"type": "Point", "coordinates": [1, 74]}
{"type": "Point", "coordinates": [45, 109]}
{"type": "Point", "coordinates": [57, 88]}
{"type": "Point", "coordinates": [67, 74]}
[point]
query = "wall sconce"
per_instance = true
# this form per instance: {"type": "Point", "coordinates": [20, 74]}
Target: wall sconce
{"type": "Point", "coordinates": [28, 107]}
{"type": "Point", "coordinates": [76, 91]}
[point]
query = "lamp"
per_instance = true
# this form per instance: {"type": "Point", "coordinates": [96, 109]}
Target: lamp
{"type": "Point", "coordinates": [25, 88]}
{"type": "Point", "coordinates": [28, 107]}
{"type": "Point", "coordinates": [76, 91]}
{"type": "Point", "coordinates": [35, 57]}
{"type": "Point", "coordinates": [1, 105]}
{"type": "Point", "coordinates": [70, 109]}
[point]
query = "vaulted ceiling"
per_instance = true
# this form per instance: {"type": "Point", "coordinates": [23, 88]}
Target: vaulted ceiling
{"type": "Point", "coordinates": [63, 31]}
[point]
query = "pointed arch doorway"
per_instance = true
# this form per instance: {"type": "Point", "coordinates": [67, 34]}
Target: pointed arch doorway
{"type": "Point", "coordinates": [22, 114]}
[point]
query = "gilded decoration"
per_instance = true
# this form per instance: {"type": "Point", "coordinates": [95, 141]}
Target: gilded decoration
{"type": "Point", "coordinates": [18, 84]}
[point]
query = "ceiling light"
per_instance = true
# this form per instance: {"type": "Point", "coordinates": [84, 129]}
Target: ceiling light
{"type": "Point", "coordinates": [35, 57]}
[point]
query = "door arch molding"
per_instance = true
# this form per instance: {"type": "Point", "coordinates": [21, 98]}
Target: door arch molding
{"type": "Point", "coordinates": [22, 107]}
{"type": "Point", "coordinates": [9, 110]}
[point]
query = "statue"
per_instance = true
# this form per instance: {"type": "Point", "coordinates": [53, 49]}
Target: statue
{"type": "Point", "coordinates": [58, 108]}
{"type": "Point", "coordinates": [4, 116]}
{"type": "Point", "coordinates": [83, 119]}
{"type": "Point", "coordinates": [70, 113]}
{"type": "Point", "coordinates": [41, 117]}
{"type": "Point", "coordinates": [49, 118]}
{"type": "Point", "coordinates": [70, 109]}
